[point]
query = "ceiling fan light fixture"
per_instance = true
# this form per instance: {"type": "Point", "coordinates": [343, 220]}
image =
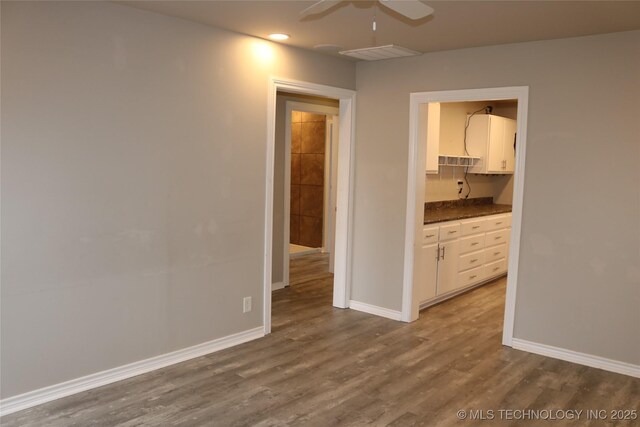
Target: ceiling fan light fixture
{"type": "Point", "coordinates": [279, 36]}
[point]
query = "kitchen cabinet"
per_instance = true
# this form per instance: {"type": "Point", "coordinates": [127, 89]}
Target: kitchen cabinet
{"type": "Point", "coordinates": [431, 128]}
{"type": "Point", "coordinates": [439, 260]}
{"type": "Point", "coordinates": [459, 254]}
{"type": "Point", "coordinates": [493, 139]}
{"type": "Point", "coordinates": [447, 266]}
{"type": "Point", "coordinates": [428, 272]}
{"type": "Point", "coordinates": [429, 255]}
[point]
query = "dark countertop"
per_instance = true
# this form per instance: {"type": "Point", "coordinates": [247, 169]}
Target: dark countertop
{"type": "Point", "coordinates": [451, 210]}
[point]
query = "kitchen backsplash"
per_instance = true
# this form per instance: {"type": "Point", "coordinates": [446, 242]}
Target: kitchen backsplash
{"type": "Point", "coordinates": [444, 186]}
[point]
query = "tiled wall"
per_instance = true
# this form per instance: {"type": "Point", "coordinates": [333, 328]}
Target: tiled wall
{"type": "Point", "coordinates": [307, 178]}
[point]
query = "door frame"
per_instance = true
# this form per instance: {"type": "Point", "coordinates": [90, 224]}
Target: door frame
{"type": "Point", "coordinates": [327, 200]}
{"type": "Point", "coordinates": [416, 188]}
{"type": "Point", "coordinates": [344, 216]}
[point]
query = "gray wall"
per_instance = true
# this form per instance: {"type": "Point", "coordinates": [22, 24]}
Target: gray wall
{"type": "Point", "coordinates": [133, 171]}
{"type": "Point", "coordinates": [579, 281]}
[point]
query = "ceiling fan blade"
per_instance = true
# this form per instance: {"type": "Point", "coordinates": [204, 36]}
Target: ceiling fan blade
{"type": "Point", "coordinates": [319, 7]}
{"type": "Point", "coordinates": [412, 9]}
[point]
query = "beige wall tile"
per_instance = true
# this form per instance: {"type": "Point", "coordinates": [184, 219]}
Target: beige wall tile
{"type": "Point", "coordinates": [312, 169]}
{"type": "Point", "coordinates": [295, 169]}
{"type": "Point", "coordinates": [311, 200]}
{"type": "Point", "coordinates": [296, 137]}
{"type": "Point", "coordinates": [294, 230]}
{"type": "Point", "coordinates": [313, 137]}
{"type": "Point", "coordinates": [310, 231]}
{"type": "Point", "coordinates": [295, 200]}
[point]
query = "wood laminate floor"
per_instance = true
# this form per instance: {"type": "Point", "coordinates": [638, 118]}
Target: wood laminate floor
{"type": "Point", "coordinates": [324, 366]}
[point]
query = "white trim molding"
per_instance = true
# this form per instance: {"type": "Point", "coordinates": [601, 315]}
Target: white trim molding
{"type": "Point", "coordinates": [415, 191]}
{"type": "Point", "coordinates": [344, 191]}
{"type": "Point", "coordinates": [278, 285]}
{"type": "Point", "coordinates": [99, 379]}
{"type": "Point", "coordinates": [374, 309]}
{"type": "Point", "coordinates": [577, 357]}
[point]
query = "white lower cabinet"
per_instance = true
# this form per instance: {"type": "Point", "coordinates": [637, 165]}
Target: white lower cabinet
{"type": "Point", "coordinates": [495, 252]}
{"type": "Point", "coordinates": [447, 266]}
{"type": "Point", "coordinates": [495, 268]}
{"type": "Point", "coordinates": [471, 260]}
{"type": "Point", "coordinates": [459, 254]}
{"type": "Point", "coordinates": [472, 243]}
{"type": "Point", "coordinates": [439, 260]}
{"type": "Point", "coordinates": [428, 272]}
{"type": "Point", "coordinates": [471, 277]}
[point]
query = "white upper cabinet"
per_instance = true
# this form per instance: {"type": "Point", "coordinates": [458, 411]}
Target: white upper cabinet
{"type": "Point", "coordinates": [493, 139]}
{"type": "Point", "coordinates": [430, 130]}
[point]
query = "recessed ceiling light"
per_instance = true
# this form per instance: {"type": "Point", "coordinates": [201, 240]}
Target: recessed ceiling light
{"type": "Point", "coordinates": [278, 36]}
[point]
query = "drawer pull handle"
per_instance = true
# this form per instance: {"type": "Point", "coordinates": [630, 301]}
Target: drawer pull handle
{"type": "Point", "coordinates": [452, 232]}
{"type": "Point", "coordinates": [473, 277]}
{"type": "Point", "coordinates": [496, 268]}
{"type": "Point", "coordinates": [498, 237]}
{"type": "Point", "coordinates": [475, 226]}
{"type": "Point", "coordinates": [429, 235]}
{"type": "Point", "coordinates": [499, 222]}
{"type": "Point", "coordinates": [474, 260]}
{"type": "Point", "coordinates": [475, 243]}
{"type": "Point", "coordinates": [496, 253]}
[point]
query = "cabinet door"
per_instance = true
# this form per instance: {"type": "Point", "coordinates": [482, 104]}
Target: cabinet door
{"type": "Point", "coordinates": [432, 132]}
{"type": "Point", "coordinates": [448, 266]}
{"type": "Point", "coordinates": [428, 272]}
{"type": "Point", "coordinates": [495, 155]}
{"type": "Point", "coordinates": [478, 140]}
{"type": "Point", "coordinates": [509, 149]}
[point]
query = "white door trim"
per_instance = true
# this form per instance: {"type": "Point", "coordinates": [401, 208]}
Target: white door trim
{"type": "Point", "coordinates": [333, 127]}
{"type": "Point", "coordinates": [344, 217]}
{"type": "Point", "coordinates": [308, 108]}
{"type": "Point", "coordinates": [415, 192]}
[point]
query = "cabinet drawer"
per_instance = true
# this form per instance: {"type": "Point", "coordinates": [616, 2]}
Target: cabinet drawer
{"type": "Point", "coordinates": [450, 231]}
{"type": "Point", "coordinates": [495, 268]}
{"type": "Point", "coordinates": [497, 222]}
{"type": "Point", "coordinates": [497, 237]}
{"type": "Point", "coordinates": [472, 260]}
{"type": "Point", "coordinates": [472, 226]}
{"type": "Point", "coordinates": [471, 243]}
{"type": "Point", "coordinates": [471, 277]}
{"type": "Point", "coordinates": [429, 235]}
{"type": "Point", "coordinates": [495, 252]}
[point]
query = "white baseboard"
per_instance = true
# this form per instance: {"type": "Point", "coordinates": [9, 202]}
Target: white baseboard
{"type": "Point", "coordinates": [577, 357]}
{"type": "Point", "coordinates": [57, 391]}
{"type": "Point", "coordinates": [374, 309]}
{"type": "Point", "coordinates": [278, 285]}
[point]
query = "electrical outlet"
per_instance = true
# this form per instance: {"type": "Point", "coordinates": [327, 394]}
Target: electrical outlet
{"type": "Point", "coordinates": [460, 184]}
{"type": "Point", "coordinates": [246, 304]}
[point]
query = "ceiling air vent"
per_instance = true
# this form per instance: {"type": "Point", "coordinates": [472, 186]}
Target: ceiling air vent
{"type": "Point", "coordinates": [380, 52]}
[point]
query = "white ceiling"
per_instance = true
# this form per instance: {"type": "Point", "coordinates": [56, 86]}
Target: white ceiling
{"type": "Point", "coordinates": [454, 25]}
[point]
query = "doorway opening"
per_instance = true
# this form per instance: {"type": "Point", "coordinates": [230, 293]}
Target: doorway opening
{"type": "Point", "coordinates": [328, 200]}
{"type": "Point", "coordinates": [308, 147]}
{"type": "Point", "coordinates": [464, 196]}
